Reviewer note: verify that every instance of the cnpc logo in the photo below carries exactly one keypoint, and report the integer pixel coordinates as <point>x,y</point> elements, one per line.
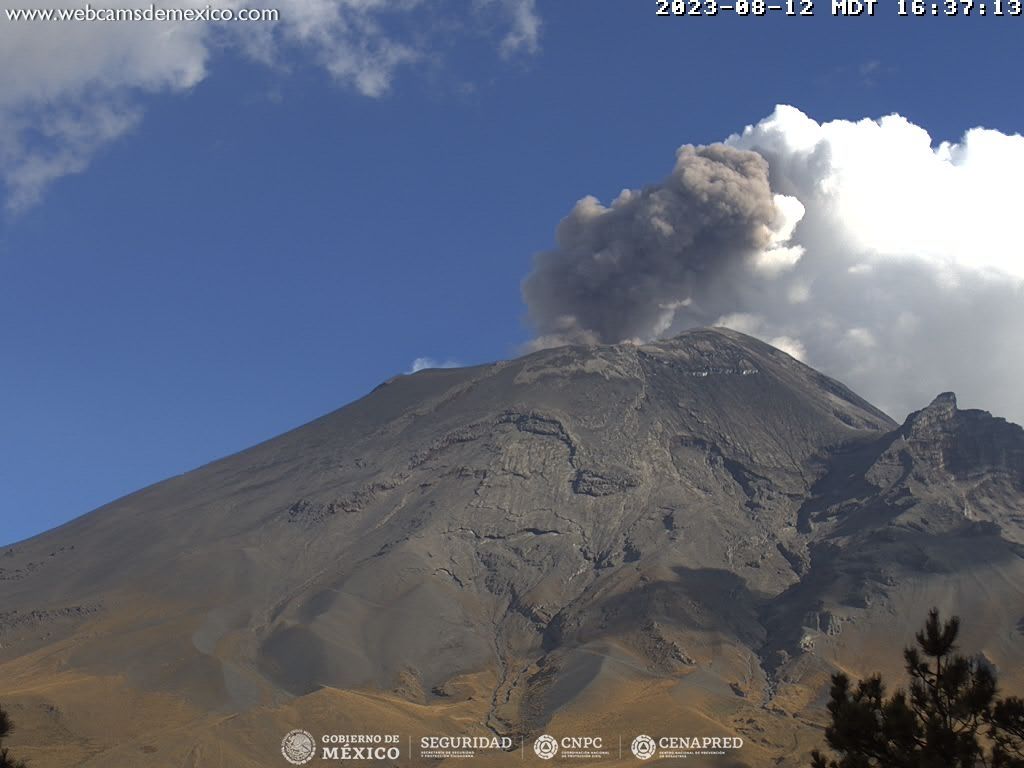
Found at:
<point>546,746</point>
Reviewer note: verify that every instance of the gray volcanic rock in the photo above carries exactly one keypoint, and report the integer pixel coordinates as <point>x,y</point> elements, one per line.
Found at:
<point>966,444</point>
<point>704,509</point>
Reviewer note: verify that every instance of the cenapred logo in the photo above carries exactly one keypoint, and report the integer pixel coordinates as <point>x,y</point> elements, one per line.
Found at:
<point>298,747</point>
<point>643,747</point>
<point>680,747</point>
<point>546,747</point>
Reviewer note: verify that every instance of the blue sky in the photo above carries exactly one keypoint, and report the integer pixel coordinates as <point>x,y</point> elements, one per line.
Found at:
<point>268,243</point>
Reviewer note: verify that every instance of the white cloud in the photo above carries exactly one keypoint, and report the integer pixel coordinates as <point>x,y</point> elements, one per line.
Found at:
<point>423,363</point>
<point>69,136</point>
<point>524,34</point>
<point>895,195</point>
<point>69,88</point>
<point>913,267</point>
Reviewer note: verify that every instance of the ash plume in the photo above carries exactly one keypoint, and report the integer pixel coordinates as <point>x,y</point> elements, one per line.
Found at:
<point>635,268</point>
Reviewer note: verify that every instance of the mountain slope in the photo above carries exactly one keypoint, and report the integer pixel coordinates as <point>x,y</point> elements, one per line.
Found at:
<point>701,528</point>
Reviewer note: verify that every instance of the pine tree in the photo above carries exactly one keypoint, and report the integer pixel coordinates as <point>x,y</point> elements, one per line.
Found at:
<point>950,717</point>
<point>6,761</point>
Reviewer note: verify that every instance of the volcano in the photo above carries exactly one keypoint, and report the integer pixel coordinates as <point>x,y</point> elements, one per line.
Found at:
<point>685,538</point>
